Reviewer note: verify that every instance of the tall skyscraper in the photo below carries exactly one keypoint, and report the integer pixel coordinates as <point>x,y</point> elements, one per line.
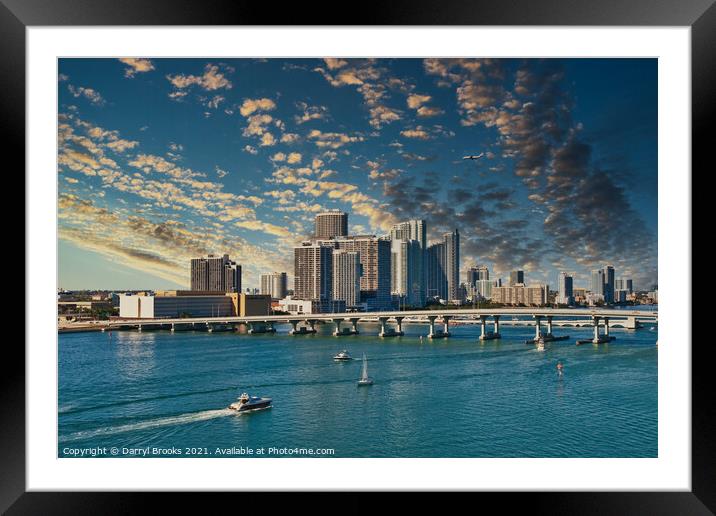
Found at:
<point>407,272</point>
<point>517,277</point>
<point>313,272</point>
<point>452,264</point>
<point>410,230</point>
<point>331,223</point>
<point>274,284</point>
<point>609,284</point>
<point>346,276</point>
<point>216,274</point>
<point>436,271</point>
<point>566,289</point>
<point>598,283</point>
<point>374,256</point>
<point>375,260</point>
<point>624,284</point>
<point>411,267</point>
<point>473,276</point>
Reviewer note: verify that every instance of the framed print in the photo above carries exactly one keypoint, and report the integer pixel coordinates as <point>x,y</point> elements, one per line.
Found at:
<point>418,253</point>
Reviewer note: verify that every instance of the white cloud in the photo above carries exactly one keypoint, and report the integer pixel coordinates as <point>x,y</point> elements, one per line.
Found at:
<point>92,95</point>
<point>252,105</point>
<point>136,65</point>
<point>212,79</point>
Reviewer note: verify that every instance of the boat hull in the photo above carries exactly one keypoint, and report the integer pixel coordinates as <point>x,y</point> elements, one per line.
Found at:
<point>251,405</point>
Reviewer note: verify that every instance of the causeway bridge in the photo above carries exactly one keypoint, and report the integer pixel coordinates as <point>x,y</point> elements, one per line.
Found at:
<point>391,323</point>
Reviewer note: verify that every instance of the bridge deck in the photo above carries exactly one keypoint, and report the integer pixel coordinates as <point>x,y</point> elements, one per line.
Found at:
<point>422,315</point>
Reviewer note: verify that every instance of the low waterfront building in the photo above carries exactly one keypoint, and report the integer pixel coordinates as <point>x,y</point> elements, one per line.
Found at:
<point>75,307</point>
<point>247,305</point>
<point>311,306</point>
<point>176,303</point>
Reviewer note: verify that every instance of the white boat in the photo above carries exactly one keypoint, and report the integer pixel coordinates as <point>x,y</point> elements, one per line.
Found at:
<point>246,403</point>
<point>364,379</point>
<point>343,355</point>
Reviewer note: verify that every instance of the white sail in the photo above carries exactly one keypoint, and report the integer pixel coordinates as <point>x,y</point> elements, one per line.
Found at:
<point>364,375</point>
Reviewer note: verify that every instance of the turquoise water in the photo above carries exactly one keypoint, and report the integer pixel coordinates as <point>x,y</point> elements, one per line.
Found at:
<point>454,397</point>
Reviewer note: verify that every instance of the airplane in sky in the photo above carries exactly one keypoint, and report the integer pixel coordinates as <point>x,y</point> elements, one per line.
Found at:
<point>474,156</point>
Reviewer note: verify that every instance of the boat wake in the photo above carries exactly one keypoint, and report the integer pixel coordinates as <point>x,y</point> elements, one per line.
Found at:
<point>181,419</point>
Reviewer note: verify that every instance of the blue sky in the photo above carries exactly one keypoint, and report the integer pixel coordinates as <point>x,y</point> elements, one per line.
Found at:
<point>160,160</point>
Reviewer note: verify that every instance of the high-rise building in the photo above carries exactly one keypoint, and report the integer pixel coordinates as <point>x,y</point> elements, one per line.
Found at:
<point>609,284</point>
<point>452,264</point>
<point>274,284</point>
<point>313,271</point>
<point>410,230</point>
<point>566,289</point>
<point>331,223</point>
<point>519,294</point>
<point>436,278</point>
<point>407,271</point>
<point>477,273</point>
<point>517,277</point>
<point>215,274</point>
<point>411,267</point>
<point>598,283</point>
<point>624,284</point>
<point>346,276</point>
<point>473,276</point>
<point>483,288</point>
<point>374,256</point>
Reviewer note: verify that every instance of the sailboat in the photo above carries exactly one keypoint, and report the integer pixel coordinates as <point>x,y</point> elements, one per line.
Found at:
<point>364,380</point>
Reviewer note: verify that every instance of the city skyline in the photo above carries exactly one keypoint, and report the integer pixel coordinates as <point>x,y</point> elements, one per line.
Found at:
<point>166,159</point>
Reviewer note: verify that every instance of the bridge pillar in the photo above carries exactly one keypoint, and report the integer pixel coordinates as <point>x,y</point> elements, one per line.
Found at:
<point>294,326</point>
<point>139,327</point>
<point>632,323</point>
<point>446,324</point>
<point>549,325</point>
<point>382,321</point>
<point>354,321</point>
<point>595,321</point>
<point>399,322</point>
<point>312,324</point>
<point>538,327</point>
<point>337,322</point>
<point>432,318</point>
<point>497,326</point>
<point>606,326</point>
<point>483,330</point>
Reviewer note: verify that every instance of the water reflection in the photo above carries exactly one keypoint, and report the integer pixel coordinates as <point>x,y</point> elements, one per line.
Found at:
<point>135,354</point>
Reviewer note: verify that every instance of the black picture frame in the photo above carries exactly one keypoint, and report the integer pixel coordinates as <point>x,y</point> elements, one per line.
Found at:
<point>700,15</point>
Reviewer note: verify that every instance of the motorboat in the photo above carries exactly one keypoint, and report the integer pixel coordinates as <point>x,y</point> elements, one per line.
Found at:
<point>364,379</point>
<point>245,403</point>
<point>343,355</point>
